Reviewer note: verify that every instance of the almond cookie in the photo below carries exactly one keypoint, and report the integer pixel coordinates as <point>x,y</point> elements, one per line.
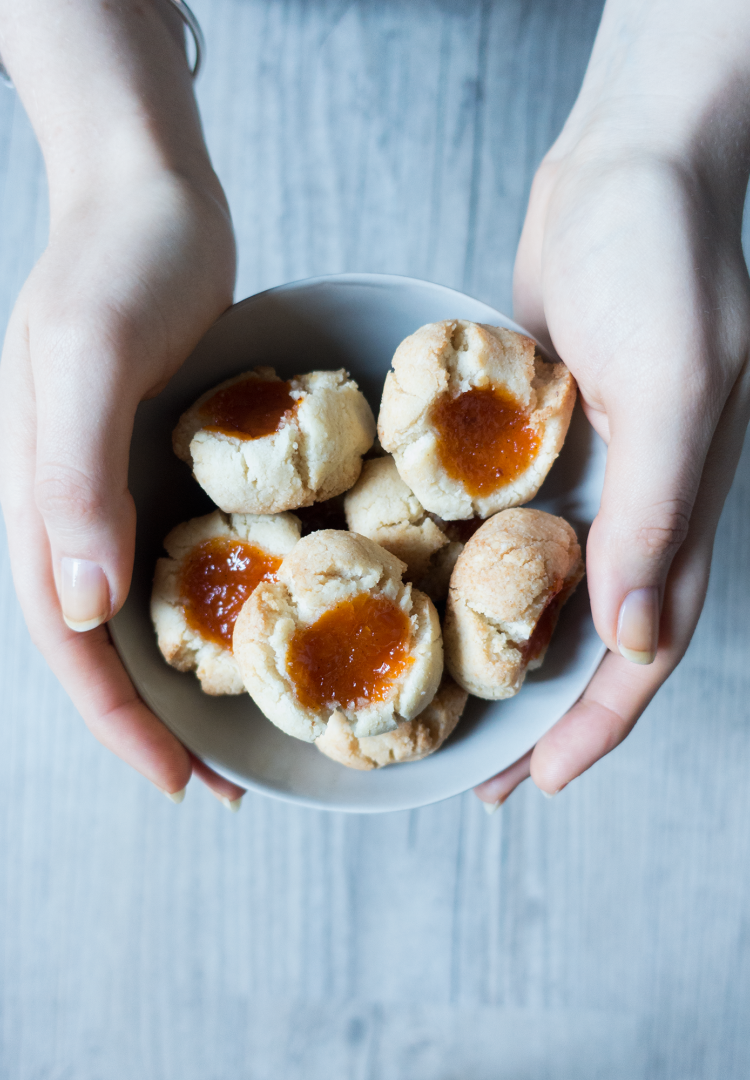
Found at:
<point>507,589</point>
<point>381,506</point>
<point>474,417</point>
<point>214,564</point>
<point>410,741</point>
<point>259,445</point>
<point>339,632</point>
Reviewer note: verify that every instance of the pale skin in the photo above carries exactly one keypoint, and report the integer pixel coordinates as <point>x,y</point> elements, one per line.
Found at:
<point>629,266</point>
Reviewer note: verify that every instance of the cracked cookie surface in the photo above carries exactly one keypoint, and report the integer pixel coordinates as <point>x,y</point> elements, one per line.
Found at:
<point>203,643</point>
<point>326,570</point>
<point>506,591</point>
<point>411,740</point>
<point>450,383</point>
<point>313,452</point>
<point>381,506</point>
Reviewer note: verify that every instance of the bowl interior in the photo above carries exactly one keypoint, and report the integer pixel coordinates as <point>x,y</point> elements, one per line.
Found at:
<point>354,321</point>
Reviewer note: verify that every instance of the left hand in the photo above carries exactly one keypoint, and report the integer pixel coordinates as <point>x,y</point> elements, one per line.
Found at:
<point>128,284</point>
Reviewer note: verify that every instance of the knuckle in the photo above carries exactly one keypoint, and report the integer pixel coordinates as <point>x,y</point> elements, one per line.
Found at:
<point>665,530</point>
<point>66,497</point>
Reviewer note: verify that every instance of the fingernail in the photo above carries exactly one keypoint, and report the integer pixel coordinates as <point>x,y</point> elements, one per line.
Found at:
<point>231,804</point>
<point>176,796</point>
<point>548,794</point>
<point>84,594</point>
<point>638,626</point>
<point>491,807</point>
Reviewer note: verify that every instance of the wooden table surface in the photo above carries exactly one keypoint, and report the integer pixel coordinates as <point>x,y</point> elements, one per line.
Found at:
<point>604,934</point>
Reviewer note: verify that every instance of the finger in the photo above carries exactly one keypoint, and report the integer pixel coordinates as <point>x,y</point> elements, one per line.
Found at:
<point>91,672</point>
<point>84,423</point>
<point>87,665</point>
<point>654,464</point>
<point>229,794</point>
<point>528,304</point>
<point>620,691</point>
<point>605,715</point>
<point>667,476</point>
<point>655,459</point>
<point>493,793</point>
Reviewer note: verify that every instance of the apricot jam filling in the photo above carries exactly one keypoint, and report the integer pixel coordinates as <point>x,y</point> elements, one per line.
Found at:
<point>217,578</point>
<point>351,655</point>
<point>484,438</point>
<point>250,409</point>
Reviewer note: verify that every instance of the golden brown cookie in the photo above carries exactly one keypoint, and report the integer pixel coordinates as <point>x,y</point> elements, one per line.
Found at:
<point>507,588</point>
<point>260,445</point>
<point>474,417</point>
<point>214,564</point>
<point>381,506</point>
<point>410,741</point>
<point>338,631</point>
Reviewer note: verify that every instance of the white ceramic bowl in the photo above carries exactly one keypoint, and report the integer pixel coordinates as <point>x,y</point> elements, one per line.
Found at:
<point>353,321</point>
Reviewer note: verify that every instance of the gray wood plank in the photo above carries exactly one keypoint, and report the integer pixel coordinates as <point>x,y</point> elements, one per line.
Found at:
<point>604,934</point>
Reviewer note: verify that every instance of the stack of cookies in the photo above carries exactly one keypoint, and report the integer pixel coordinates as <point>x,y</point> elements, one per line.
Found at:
<point>335,632</point>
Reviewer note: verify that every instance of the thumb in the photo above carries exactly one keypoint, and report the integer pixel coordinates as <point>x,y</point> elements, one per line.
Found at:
<point>85,420</point>
<point>654,465</point>
<point>528,303</point>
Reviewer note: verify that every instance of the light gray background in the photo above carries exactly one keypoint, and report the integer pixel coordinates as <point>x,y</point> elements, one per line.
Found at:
<point>605,934</point>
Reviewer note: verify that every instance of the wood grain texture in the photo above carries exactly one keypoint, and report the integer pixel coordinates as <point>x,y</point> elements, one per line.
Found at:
<point>602,935</point>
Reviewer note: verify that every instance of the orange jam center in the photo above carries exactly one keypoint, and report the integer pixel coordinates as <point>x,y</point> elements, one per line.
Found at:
<point>544,629</point>
<point>250,409</point>
<point>484,438</point>
<point>217,578</point>
<point>352,654</point>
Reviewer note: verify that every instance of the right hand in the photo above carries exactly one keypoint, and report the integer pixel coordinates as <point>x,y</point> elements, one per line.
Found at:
<point>630,266</point>
<point>131,280</point>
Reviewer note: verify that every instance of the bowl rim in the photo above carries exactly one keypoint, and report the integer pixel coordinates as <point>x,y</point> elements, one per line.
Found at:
<point>266,788</point>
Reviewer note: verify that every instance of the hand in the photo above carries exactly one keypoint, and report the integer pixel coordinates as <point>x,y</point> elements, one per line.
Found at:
<point>133,276</point>
<point>630,267</point>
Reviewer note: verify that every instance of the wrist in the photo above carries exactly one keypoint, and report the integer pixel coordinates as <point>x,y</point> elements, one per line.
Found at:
<point>152,204</point>
<point>108,91</point>
<point>123,167</point>
<point>669,82</point>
